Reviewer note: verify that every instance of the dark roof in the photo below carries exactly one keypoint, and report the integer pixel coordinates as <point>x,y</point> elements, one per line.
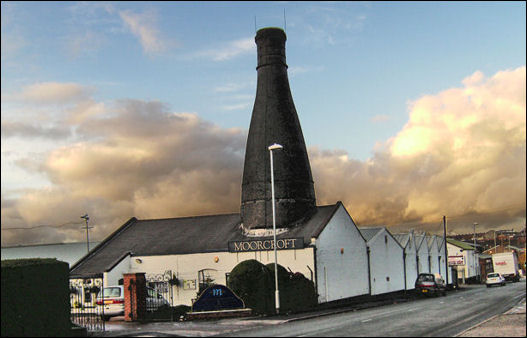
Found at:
<point>185,235</point>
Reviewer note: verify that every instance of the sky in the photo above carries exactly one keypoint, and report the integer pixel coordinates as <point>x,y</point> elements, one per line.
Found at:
<point>410,111</point>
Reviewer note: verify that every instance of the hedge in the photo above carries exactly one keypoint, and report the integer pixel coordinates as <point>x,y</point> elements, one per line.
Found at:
<point>35,298</point>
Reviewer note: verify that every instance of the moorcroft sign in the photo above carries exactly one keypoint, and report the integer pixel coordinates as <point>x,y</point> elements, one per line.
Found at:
<point>266,244</point>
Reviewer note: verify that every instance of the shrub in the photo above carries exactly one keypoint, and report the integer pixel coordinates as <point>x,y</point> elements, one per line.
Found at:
<point>251,281</point>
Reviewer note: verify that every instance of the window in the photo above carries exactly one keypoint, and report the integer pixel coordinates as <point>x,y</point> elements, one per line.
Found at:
<point>205,279</point>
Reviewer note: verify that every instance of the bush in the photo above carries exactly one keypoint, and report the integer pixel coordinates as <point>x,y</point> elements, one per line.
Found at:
<point>35,298</point>
<point>297,293</point>
<point>255,284</point>
<point>252,281</point>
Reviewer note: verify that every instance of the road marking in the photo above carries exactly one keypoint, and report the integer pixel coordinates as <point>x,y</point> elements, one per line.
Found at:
<point>366,320</point>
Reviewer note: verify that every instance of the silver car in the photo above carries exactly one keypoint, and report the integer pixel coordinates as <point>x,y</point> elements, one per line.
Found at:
<point>495,278</point>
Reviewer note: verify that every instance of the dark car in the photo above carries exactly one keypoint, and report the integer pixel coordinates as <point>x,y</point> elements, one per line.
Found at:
<point>428,284</point>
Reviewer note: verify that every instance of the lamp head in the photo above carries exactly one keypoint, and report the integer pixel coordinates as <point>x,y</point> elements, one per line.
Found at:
<point>275,146</point>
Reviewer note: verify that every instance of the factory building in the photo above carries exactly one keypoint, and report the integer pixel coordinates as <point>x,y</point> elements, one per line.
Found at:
<point>407,241</point>
<point>386,261</point>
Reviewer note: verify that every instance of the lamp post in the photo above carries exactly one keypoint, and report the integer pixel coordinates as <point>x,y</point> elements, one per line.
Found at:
<point>277,295</point>
<point>476,263</point>
<point>87,218</point>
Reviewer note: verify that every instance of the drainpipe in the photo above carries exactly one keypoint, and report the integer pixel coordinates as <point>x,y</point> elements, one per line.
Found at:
<point>404,269</point>
<point>369,271</point>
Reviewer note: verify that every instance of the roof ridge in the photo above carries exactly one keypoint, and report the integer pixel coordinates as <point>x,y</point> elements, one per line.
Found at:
<point>187,217</point>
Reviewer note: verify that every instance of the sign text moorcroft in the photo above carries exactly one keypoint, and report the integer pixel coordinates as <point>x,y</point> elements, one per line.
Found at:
<point>266,244</point>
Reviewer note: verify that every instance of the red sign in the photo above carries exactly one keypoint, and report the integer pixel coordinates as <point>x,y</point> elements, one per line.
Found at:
<point>456,260</point>
<point>501,263</point>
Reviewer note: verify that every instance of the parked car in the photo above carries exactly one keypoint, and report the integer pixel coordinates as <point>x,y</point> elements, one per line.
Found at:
<point>113,301</point>
<point>495,278</point>
<point>428,284</point>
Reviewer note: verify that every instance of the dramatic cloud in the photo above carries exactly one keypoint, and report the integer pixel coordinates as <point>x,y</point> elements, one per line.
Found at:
<point>462,154</point>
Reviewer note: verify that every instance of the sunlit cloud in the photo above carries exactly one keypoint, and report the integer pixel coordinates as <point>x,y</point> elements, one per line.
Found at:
<point>461,154</point>
<point>50,93</point>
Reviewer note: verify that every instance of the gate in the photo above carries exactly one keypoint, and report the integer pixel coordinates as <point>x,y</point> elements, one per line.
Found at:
<point>83,303</point>
<point>160,296</point>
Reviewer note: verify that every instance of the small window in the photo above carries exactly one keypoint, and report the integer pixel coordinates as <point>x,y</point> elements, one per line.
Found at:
<point>385,239</point>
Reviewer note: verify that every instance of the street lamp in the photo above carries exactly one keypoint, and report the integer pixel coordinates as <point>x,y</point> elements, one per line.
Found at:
<point>87,218</point>
<point>476,263</point>
<point>277,295</point>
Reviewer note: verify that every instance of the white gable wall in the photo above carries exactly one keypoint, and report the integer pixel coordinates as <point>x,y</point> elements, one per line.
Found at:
<point>341,273</point>
<point>386,264</point>
<point>434,255</point>
<point>422,255</point>
<point>410,263</point>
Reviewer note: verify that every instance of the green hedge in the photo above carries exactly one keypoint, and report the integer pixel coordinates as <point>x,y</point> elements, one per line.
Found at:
<point>251,281</point>
<point>255,284</point>
<point>35,298</point>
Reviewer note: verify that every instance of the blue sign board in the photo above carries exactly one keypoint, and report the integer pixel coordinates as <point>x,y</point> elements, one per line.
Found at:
<point>217,297</point>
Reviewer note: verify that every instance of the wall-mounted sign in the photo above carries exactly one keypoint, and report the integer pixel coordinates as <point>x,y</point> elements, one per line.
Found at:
<point>189,284</point>
<point>266,244</point>
<point>456,260</point>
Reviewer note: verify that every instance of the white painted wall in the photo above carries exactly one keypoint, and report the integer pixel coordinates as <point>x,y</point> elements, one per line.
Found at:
<point>422,253</point>
<point>386,264</point>
<point>471,264</point>
<point>341,274</point>
<point>434,255</point>
<point>410,263</point>
<point>442,261</point>
<point>112,277</point>
<point>186,267</point>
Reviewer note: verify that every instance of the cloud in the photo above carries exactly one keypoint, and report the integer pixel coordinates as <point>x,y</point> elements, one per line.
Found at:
<point>50,93</point>
<point>138,159</point>
<point>143,26</point>
<point>461,154</point>
<point>231,50</point>
<point>10,129</point>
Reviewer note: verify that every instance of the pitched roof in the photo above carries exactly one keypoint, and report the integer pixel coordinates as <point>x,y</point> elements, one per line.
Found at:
<point>185,235</point>
<point>369,233</point>
<point>462,245</point>
<point>403,239</point>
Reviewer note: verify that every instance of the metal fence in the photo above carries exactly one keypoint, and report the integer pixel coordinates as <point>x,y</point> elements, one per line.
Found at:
<point>83,298</point>
<point>160,296</point>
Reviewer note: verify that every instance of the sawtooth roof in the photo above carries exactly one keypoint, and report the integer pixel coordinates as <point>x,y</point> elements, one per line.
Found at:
<point>369,233</point>
<point>402,239</point>
<point>184,235</point>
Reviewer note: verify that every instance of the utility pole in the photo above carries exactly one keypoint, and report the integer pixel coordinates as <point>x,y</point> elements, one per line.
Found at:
<point>87,218</point>
<point>476,261</point>
<point>446,252</point>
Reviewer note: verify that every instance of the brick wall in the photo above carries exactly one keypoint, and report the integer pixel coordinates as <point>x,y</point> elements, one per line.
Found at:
<point>134,296</point>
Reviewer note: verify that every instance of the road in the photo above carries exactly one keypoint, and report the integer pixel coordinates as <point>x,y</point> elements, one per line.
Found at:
<point>432,317</point>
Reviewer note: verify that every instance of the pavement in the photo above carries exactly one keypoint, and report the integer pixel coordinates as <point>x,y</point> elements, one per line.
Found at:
<point>509,324</point>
